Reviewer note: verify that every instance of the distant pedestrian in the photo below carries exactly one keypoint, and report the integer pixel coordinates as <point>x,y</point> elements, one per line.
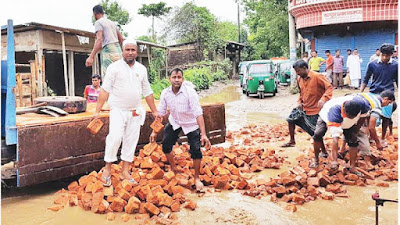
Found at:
<point>338,63</point>
<point>92,92</point>
<point>375,56</point>
<point>329,66</point>
<point>108,40</point>
<point>315,62</point>
<point>354,69</point>
<point>305,57</point>
<point>394,56</point>
<point>348,52</point>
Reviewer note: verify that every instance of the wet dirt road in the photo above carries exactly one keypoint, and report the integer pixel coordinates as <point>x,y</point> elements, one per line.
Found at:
<point>29,206</point>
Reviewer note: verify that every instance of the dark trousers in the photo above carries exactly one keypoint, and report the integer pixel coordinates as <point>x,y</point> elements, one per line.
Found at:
<point>170,136</point>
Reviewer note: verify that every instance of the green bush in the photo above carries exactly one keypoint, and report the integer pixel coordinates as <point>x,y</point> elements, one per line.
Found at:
<point>202,76</point>
<point>158,86</point>
<point>219,75</point>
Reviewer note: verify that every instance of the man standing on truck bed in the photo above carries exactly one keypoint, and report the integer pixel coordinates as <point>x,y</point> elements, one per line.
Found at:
<point>108,40</point>
<point>124,84</point>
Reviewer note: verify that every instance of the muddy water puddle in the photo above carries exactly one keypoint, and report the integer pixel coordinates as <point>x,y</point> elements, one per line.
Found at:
<point>227,207</point>
<point>226,95</point>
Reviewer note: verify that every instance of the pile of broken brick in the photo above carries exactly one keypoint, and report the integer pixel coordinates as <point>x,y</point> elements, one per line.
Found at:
<point>160,193</point>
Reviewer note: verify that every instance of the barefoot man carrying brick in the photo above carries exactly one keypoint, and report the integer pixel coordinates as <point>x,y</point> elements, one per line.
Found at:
<point>186,115</point>
<point>124,84</point>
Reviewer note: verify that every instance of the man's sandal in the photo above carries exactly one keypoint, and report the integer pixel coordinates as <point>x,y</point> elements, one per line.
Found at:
<point>356,172</point>
<point>107,181</point>
<point>314,164</point>
<point>132,181</point>
<point>289,144</point>
<point>200,184</point>
<point>334,165</point>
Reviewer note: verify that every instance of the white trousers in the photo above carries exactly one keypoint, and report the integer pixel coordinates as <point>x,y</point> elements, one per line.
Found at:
<point>355,83</point>
<point>123,128</point>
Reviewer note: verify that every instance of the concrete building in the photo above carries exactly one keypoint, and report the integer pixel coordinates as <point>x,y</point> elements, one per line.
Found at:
<point>345,24</point>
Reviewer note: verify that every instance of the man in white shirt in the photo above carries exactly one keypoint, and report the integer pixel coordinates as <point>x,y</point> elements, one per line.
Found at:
<point>375,56</point>
<point>124,84</point>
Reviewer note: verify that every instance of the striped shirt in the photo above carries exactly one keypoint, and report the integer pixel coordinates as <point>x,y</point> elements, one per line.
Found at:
<point>333,111</point>
<point>184,107</point>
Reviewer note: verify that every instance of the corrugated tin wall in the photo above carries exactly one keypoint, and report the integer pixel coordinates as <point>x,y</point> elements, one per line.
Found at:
<point>365,42</point>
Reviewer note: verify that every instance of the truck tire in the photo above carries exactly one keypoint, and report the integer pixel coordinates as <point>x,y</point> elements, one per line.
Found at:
<point>8,152</point>
<point>70,104</point>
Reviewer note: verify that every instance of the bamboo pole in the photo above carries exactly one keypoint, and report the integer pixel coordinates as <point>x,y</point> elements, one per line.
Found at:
<point>65,64</point>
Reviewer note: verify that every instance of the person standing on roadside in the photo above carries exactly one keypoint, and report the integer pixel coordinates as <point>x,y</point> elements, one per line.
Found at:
<point>354,69</point>
<point>305,57</point>
<point>338,63</point>
<point>329,66</point>
<point>108,40</point>
<point>375,56</point>
<point>315,62</point>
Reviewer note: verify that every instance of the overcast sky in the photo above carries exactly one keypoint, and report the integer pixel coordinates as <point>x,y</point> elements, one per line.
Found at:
<point>77,13</point>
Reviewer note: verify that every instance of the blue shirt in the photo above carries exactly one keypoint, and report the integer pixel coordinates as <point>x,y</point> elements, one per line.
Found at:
<point>383,75</point>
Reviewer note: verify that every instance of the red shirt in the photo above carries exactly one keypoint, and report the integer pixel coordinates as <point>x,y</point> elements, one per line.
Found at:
<point>329,61</point>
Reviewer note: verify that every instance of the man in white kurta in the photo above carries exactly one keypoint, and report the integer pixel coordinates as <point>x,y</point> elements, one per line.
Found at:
<point>124,85</point>
<point>354,68</point>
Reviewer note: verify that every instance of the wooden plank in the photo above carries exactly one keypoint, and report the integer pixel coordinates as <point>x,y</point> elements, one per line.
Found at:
<point>26,90</point>
<point>71,73</point>
<point>19,86</point>
<point>38,68</point>
<point>65,64</point>
<point>44,76</point>
<point>33,79</point>
<point>59,173</point>
<point>33,168</point>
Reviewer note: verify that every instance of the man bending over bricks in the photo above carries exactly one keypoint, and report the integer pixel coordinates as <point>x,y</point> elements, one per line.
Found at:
<point>340,115</point>
<point>186,115</point>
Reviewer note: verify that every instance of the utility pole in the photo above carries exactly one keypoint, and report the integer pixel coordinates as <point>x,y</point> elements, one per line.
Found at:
<point>292,44</point>
<point>237,1</point>
<point>238,7</point>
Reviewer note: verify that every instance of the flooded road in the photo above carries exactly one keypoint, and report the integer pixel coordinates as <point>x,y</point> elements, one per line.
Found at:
<point>29,206</point>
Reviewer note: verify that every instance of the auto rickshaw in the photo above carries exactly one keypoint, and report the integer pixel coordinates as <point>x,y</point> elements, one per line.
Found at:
<point>283,72</point>
<point>242,70</point>
<point>260,79</point>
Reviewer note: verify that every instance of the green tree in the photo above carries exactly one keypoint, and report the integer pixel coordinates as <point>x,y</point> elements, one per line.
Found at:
<point>116,13</point>
<point>228,31</point>
<point>192,23</point>
<point>268,25</point>
<point>154,10</point>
